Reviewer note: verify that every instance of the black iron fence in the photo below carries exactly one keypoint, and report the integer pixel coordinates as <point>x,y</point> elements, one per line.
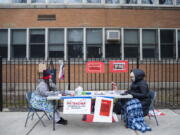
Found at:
<point>18,76</point>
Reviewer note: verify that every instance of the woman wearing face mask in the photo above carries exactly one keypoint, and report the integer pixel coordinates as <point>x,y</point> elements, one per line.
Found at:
<point>39,98</point>
<point>139,89</point>
<point>134,109</point>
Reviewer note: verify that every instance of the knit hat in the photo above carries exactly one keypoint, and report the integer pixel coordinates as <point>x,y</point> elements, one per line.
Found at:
<point>46,74</point>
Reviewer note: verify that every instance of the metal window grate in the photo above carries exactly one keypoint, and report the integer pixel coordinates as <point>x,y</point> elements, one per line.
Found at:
<point>46,17</point>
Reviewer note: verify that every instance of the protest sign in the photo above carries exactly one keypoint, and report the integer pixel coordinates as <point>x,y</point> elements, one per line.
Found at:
<point>103,109</point>
<point>77,105</point>
<point>118,66</point>
<point>95,67</point>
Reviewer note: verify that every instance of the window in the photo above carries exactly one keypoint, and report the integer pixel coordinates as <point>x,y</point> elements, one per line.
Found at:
<point>75,43</point>
<point>112,1</point>
<point>75,1</point>
<point>179,43</point>
<point>93,1</point>
<point>94,43</point>
<point>3,43</point>
<point>5,1</point>
<point>37,43</point>
<point>167,43</point>
<point>165,2</point>
<point>149,43</point>
<point>38,1</point>
<point>147,1</point>
<point>178,2</point>
<point>131,1</point>
<point>56,1</point>
<point>19,1</point>
<point>113,48</point>
<point>56,43</point>
<point>131,43</point>
<point>18,43</point>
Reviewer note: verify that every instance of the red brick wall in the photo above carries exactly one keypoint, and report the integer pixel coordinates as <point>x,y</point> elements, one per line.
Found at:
<point>139,18</point>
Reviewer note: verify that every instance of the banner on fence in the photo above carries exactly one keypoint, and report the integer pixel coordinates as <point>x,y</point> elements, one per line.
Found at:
<point>118,66</point>
<point>42,67</point>
<point>103,109</point>
<point>79,105</point>
<point>61,70</point>
<point>95,67</point>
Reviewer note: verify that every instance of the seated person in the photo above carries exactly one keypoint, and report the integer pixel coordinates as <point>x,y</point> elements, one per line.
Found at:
<point>134,109</point>
<point>139,90</point>
<point>39,101</point>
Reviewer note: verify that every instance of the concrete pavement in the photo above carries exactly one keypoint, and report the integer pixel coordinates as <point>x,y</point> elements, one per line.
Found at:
<point>12,123</point>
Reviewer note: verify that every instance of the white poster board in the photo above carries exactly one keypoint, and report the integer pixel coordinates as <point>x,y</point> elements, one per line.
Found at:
<point>77,105</point>
<point>103,109</point>
<point>42,67</point>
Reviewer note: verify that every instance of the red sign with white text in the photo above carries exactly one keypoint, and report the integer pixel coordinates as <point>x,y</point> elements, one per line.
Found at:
<point>105,108</point>
<point>118,66</point>
<point>95,67</point>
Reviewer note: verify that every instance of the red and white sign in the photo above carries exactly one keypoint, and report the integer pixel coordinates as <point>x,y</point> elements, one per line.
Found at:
<point>77,106</point>
<point>118,66</point>
<point>103,109</point>
<point>95,67</point>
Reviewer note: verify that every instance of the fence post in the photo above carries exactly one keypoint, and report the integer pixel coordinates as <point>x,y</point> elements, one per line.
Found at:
<point>1,92</point>
<point>137,63</point>
<point>69,76</point>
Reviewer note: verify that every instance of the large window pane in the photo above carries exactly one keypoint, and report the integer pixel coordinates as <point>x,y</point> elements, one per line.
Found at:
<point>74,1</point>
<point>56,43</point>
<point>166,2</point>
<point>37,43</point>
<point>147,1</point>
<point>5,1</point>
<point>112,1</point>
<point>38,1</point>
<point>3,43</point>
<point>178,2</point>
<point>94,43</point>
<point>149,41</point>
<point>113,47</point>
<point>167,43</point>
<point>18,43</point>
<point>56,1</point>
<point>131,43</point>
<point>93,1</point>
<point>19,1</point>
<point>75,43</point>
<point>131,1</point>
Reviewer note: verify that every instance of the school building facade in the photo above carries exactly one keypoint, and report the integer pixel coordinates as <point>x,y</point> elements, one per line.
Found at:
<point>32,31</point>
<point>90,29</point>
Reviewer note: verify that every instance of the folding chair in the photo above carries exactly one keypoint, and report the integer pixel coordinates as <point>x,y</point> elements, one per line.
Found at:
<point>152,95</point>
<point>32,111</point>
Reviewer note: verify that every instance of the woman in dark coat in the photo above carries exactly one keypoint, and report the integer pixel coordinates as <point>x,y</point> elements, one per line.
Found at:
<point>139,89</point>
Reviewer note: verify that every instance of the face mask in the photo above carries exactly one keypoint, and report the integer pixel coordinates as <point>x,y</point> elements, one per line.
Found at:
<point>132,76</point>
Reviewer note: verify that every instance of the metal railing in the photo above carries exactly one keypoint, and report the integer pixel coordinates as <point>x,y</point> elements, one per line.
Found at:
<point>20,75</point>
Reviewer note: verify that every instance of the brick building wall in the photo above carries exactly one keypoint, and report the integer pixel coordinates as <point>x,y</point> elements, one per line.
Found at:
<point>136,18</point>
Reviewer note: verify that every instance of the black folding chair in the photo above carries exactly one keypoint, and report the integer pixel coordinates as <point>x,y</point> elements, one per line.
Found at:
<point>32,111</point>
<point>152,95</point>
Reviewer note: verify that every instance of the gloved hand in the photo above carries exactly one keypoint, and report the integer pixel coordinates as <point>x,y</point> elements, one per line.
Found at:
<point>128,92</point>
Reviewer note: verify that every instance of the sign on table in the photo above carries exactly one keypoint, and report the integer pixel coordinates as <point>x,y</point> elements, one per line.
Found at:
<point>79,105</point>
<point>103,109</point>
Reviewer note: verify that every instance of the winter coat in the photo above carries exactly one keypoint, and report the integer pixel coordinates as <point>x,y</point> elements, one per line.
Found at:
<point>139,89</point>
<point>42,89</point>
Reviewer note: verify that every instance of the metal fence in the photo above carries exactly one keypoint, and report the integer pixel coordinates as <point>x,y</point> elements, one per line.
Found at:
<point>18,76</point>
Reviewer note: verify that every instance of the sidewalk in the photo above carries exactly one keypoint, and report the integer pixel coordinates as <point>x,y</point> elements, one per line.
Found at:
<point>12,123</point>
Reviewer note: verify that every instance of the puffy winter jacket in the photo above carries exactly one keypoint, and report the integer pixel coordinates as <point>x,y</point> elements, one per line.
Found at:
<point>139,89</point>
